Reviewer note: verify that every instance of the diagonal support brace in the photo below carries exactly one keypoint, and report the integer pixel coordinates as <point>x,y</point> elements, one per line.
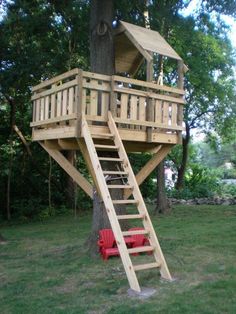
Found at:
<point>150,166</point>
<point>70,170</point>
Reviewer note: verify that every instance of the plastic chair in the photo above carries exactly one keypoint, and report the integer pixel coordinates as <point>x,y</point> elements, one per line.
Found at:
<point>106,243</point>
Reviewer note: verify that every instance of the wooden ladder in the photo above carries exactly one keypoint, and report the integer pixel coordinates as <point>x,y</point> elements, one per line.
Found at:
<point>104,186</point>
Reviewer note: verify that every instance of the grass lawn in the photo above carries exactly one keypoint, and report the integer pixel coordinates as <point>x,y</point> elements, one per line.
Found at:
<point>44,267</point>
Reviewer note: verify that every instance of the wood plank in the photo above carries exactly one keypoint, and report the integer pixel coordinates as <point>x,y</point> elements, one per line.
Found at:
<point>64,102</point>
<point>134,232</point>
<point>166,113</point>
<point>42,108</point>
<point>158,111</point>
<point>150,85</point>
<point>138,46</point>
<point>37,110</point>
<point>59,104</point>
<point>115,172</point>
<point>141,249</point>
<point>109,159</point>
<point>70,169</point>
<point>71,106</point>
<point>133,108</point>
<point>93,85</point>
<point>124,201</point>
<point>46,115</point>
<point>93,106</point>
<point>54,120</point>
<point>127,217</point>
<point>97,76</point>
<point>55,79</point>
<point>108,147</point>
<point>124,106</point>
<point>149,123</point>
<point>95,118</point>
<point>105,104</point>
<point>102,135</point>
<point>55,89</point>
<point>174,114</point>
<point>118,186</point>
<point>53,106</point>
<point>55,133</point>
<point>85,153</point>
<point>149,94</point>
<point>146,266</point>
<point>142,110</point>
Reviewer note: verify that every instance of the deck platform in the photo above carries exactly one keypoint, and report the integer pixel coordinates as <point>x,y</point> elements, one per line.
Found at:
<point>139,109</point>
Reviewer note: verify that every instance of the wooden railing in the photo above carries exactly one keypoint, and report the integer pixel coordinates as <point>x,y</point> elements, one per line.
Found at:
<point>134,104</point>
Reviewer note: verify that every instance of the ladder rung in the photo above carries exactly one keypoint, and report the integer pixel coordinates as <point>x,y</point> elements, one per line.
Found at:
<point>146,266</point>
<point>125,202</point>
<point>115,172</point>
<point>110,159</point>
<point>134,232</point>
<point>135,216</point>
<point>110,186</point>
<point>106,146</point>
<point>141,249</point>
<point>102,135</point>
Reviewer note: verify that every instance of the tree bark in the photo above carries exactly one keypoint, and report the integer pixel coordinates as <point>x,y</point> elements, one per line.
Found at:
<point>162,202</point>
<point>102,61</point>
<point>181,170</point>
<point>101,37</point>
<point>10,164</point>
<point>2,239</point>
<point>70,185</point>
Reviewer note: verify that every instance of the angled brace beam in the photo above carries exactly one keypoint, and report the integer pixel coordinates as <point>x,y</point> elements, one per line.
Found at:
<point>85,153</point>
<point>150,166</point>
<point>70,169</point>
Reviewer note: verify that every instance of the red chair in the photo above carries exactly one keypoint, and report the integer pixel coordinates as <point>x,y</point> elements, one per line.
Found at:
<point>139,240</point>
<point>106,243</point>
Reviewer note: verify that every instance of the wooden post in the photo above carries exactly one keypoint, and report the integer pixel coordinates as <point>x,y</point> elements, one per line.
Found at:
<point>150,104</point>
<point>180,106</point>
<point>79,102</point>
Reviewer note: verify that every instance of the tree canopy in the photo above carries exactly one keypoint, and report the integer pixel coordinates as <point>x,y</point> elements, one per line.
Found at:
<point>39,39</point>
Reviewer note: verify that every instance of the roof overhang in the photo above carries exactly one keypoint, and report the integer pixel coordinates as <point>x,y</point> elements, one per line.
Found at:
<point>133,44</point>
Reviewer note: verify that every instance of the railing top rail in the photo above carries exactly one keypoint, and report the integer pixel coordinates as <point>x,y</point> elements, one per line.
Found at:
<point>150,85</point>
<point>55,79</point>
<point>96,76</point>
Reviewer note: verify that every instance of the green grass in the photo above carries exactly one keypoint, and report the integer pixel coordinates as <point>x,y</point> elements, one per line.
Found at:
<point>44,267</point>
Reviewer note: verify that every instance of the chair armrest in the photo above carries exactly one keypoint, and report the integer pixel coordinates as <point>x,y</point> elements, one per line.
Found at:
<point>100,243</point>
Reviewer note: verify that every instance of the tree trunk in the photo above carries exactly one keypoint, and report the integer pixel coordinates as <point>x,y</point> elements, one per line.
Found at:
<point>70,185</point>
<point>102,61</point>
<point>10,164</point>
<point>181,171</point>
<point>2,239</point>
<point>162,202</point>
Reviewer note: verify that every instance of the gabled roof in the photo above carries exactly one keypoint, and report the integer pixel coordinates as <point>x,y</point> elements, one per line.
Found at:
<point>133,43</point>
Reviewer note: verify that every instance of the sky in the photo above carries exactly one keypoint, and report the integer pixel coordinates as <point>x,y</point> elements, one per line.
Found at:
<point>194,5</point>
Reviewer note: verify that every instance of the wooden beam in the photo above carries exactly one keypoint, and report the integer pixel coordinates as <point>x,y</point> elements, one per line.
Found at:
<point>180,84</point>
<point>85,153</point>
<point>71,170</point>
<point>150,166</point>
<point>150,102</point>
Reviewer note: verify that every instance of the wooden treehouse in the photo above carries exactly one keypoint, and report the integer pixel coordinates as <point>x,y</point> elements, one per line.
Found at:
<point>99,114</point>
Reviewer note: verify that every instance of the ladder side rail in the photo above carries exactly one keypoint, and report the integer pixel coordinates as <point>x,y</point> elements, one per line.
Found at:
<point>129,269</point>
<point>141,205</point>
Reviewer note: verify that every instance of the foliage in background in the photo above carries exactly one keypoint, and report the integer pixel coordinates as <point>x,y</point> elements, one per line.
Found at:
<point>39,39</point>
